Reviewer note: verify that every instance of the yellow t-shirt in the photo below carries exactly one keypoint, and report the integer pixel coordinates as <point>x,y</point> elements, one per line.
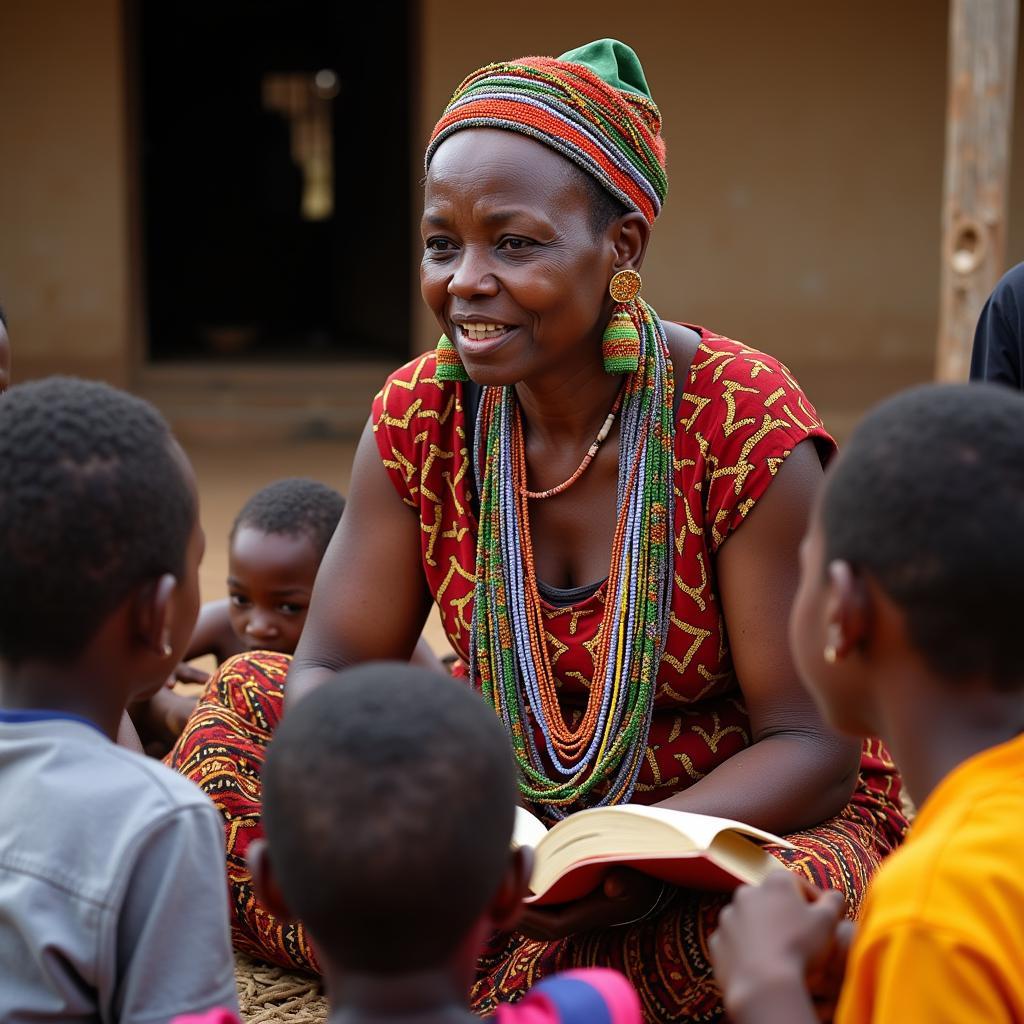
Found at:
<point>941,937</point>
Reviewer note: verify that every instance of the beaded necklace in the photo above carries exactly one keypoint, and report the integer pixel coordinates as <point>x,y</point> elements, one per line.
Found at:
<point>596,762</point>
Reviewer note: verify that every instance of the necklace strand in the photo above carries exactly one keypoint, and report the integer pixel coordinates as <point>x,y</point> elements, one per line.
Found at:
<point>597,761</point>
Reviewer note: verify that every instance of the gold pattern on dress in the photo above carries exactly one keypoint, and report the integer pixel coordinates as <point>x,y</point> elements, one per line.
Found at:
<point>712,739</point>
<point>694,592</point>
<point>774,397</point>
<point>731,424</point>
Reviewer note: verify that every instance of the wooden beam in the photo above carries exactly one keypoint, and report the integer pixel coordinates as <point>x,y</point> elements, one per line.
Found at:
<point>979,118</point>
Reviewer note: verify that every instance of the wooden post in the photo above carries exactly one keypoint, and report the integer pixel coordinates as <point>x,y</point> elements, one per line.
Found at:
<point>979,117</point>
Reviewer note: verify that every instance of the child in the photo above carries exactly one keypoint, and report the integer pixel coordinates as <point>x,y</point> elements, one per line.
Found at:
<point>906,626</point>
<point>388,802</point>
<point>108,861</point>
<point>275,548</point>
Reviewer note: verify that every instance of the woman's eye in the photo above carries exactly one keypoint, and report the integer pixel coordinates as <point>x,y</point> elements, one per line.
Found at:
<point>515,244</point>
<point>439,245</point>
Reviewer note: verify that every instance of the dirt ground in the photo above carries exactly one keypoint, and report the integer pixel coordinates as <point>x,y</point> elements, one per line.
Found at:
<point>229,473</point>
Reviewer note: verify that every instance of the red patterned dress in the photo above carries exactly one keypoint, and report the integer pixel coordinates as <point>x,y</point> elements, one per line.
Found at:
<point>740,415</point>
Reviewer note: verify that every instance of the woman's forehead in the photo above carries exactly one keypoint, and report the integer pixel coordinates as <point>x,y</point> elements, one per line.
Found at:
<point>503,164</point>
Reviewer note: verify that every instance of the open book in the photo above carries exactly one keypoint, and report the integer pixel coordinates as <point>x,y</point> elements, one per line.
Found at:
<point>695,850</point>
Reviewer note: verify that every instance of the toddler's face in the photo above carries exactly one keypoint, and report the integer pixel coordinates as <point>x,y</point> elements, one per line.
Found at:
<point>270,581</point>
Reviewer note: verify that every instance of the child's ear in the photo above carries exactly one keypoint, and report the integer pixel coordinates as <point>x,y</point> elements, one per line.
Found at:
<point>154,615</point>
<point>507,905</point>
<point>257,859</point>
<point>847,612</point>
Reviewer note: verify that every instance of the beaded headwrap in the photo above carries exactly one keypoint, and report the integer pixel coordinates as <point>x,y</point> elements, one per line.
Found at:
<point>592,105</point>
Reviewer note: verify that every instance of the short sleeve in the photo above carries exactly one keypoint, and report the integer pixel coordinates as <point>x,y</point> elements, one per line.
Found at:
<point>920,972</point>
<point>173,943</point>
<point>593,995</point>
<point>747,422</point>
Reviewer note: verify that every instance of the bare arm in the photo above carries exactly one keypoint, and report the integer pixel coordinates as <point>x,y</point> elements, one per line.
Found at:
<point>370,600</point>
<point>797,772</point>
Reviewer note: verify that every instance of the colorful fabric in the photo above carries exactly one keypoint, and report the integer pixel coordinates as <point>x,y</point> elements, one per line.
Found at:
<point>221,750</point>
<point>591,996</point>
<point>942,935</point>
<point>611,131</point>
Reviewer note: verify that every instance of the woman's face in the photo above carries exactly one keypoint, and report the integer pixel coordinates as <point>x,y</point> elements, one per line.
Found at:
<point>512,267</point>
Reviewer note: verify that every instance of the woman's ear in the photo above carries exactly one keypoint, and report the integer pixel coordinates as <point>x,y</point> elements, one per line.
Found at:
<point>847,612</point>
<point>631,237</point>
<point>257,859</point>
<point>154,615</point>
<point>507,905</point>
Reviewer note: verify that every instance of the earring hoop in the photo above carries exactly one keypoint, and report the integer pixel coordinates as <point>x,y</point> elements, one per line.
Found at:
<point>625,285</point>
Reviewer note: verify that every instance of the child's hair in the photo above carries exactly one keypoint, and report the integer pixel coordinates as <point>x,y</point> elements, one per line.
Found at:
<point>93,501</point>
<point>388,804</point>
<point>296,507</point>
<point>928,497</point>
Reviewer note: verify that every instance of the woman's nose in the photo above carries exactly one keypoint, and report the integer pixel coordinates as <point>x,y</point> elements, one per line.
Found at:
<point>472,275</point>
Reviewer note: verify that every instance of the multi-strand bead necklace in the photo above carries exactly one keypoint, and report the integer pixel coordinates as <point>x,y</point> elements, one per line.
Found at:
<point>595,762</point>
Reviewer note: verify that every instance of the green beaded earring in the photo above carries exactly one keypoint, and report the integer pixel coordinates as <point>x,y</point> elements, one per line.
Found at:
<point>449,365</point>
<point>620,346</point>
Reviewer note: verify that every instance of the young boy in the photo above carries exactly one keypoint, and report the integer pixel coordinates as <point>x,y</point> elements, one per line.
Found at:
<point>388,802</point>
<point>907,626</point>
<point>275,548</point>
<point>111,903</point>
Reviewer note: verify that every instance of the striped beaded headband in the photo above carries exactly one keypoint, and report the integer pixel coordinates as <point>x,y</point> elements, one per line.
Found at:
<point>612,133</point>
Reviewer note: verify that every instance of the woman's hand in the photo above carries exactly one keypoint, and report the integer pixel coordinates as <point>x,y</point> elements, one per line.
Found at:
<point>625,896</point>
<point>774,943</point>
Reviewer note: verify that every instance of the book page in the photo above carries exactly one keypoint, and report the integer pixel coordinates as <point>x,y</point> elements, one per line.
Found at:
<point>528,830</point>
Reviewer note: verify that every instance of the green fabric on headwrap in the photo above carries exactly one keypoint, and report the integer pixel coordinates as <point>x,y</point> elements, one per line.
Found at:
<point>613,62</point>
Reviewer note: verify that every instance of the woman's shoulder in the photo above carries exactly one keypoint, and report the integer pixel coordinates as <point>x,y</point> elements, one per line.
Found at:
<point>731,387</point>
<point>415,384</point>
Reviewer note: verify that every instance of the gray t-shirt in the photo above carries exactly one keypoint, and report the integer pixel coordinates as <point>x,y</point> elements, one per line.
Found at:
<point>113,900</point>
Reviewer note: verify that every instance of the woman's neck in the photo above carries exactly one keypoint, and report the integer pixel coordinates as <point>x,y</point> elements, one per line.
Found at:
<point>569,409</point>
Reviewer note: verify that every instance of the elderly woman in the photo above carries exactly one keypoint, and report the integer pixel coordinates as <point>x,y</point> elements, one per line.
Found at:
<point>606,508</point>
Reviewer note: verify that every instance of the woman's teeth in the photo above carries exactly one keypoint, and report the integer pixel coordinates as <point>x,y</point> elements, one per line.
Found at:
<point>483,331</point>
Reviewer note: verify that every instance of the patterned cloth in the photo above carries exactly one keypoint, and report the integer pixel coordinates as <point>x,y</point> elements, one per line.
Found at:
<point>740,415</point>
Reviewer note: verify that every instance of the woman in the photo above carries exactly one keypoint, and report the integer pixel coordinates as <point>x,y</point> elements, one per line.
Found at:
<point>586,433</point>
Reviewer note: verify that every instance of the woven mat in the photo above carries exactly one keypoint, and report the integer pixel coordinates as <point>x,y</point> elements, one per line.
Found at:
<point>272,995</point>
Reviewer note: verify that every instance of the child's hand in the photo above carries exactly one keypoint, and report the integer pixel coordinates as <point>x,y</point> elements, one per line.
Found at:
<point>186,673</point>
<point>768,940</point>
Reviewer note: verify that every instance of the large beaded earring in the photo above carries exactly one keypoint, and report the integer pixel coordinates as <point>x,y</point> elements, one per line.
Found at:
<point>449,364</point>
<point>620,346</point>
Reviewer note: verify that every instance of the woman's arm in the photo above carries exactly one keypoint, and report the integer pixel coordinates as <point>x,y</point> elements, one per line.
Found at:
<point>797,772</point>
<point>370,600</point>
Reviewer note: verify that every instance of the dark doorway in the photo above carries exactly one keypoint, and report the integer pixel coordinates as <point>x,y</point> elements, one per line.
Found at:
<point>275,179</point>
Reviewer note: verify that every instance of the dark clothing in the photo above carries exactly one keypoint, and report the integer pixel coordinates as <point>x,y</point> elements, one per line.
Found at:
<point>998,353</point>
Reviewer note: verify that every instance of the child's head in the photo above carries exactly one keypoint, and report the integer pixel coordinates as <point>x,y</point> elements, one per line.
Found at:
<point>97,515</point>
<point>277,543</point>
<point>389,797</point>
<point>5,355</point>
<point>916,550</point>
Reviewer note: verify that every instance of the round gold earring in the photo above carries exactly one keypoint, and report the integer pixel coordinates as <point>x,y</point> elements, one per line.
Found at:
<point>831,654</point>
<point>625,285</point>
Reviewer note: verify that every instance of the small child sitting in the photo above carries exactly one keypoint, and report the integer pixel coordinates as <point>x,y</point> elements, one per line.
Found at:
<point>109,879</point>
<point>275,548</point>
<point>388,802</point>
<point>907,626</point>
